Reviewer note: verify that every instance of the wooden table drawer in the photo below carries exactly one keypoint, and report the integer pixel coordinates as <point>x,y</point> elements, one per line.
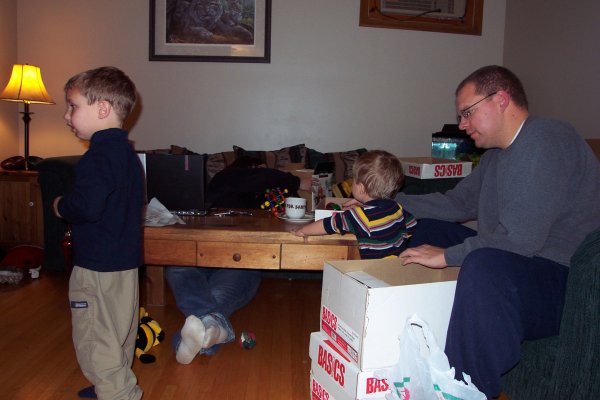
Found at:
<point>310,256</point>
<point>169,252</point>
<point>239,255</point>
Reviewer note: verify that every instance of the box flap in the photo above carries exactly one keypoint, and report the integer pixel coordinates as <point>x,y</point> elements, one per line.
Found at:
<point>368,280</point>
<point>392,272</point>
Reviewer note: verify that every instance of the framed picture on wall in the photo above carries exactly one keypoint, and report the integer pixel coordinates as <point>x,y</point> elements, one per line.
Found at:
<point>210,30</point>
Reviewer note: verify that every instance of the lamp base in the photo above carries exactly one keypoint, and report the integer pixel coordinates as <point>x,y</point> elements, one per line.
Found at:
<point>18,163</point>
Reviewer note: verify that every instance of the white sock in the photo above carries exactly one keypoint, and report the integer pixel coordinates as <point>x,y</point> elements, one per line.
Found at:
<point>214,332</point>
<point>192,339</point>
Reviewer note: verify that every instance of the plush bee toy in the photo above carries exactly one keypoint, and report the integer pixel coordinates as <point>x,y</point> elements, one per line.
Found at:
<point>149,335</point>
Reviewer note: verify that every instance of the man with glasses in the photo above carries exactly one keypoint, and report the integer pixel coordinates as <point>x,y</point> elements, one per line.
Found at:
<point>535,196</point>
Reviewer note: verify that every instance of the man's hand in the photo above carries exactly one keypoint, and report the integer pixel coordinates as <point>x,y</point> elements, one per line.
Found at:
<point>429,256</point>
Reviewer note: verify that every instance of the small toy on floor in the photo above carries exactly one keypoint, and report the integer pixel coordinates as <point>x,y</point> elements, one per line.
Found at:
<point>247,340</point>
<point>149,335</point>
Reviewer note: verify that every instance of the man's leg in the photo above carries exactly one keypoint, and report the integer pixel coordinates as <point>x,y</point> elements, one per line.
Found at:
<point>232,289</point>
<point>194,299</point>
<point>207,297</point>
<point>501,299</point>
<point>439,233</point>
<point>191,290</point>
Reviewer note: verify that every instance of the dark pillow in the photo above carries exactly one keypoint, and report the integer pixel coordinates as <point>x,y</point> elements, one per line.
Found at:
<point>217,162</point>
<point>180,150</point>
<point>313,157</point>
<point>275,158</point>
<point>344,161</point>
<point>174,149</point>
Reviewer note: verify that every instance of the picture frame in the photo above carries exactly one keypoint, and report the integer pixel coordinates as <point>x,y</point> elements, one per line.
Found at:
<point>210,31</point>
<point>372,14</point>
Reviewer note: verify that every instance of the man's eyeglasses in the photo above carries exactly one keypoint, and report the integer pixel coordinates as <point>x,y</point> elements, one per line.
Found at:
<point>466,113</point>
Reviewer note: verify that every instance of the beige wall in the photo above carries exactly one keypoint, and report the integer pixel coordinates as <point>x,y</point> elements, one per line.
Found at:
<point>9,116</point>
<point>554,46</point>
<point>331,84</point>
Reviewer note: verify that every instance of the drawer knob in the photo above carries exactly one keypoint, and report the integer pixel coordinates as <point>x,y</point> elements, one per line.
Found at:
<point>31,204</point>
<point>237,257</point>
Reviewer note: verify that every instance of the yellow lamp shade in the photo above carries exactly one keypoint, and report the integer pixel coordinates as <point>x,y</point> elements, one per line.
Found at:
<point>26,86</point>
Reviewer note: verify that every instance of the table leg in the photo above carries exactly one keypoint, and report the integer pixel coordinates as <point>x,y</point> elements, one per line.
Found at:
<point>155,285</point>
<point>353,253</point>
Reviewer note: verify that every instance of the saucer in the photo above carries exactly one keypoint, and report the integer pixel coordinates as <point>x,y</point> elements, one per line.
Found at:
<point>308,217</point>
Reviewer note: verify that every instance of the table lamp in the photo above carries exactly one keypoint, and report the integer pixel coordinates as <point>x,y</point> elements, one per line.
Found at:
<point>26,86</point>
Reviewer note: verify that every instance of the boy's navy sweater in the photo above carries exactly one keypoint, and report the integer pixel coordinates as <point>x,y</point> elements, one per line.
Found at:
<point>104,207</point>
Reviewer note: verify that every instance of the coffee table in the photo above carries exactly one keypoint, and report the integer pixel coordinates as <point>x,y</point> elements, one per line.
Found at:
<point>257,241</point>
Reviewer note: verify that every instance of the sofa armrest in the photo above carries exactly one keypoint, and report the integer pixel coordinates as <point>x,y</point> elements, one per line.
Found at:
<point>566,366</point>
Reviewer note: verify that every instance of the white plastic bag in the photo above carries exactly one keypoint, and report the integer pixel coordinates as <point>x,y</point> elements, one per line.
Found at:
<point>423,371</point>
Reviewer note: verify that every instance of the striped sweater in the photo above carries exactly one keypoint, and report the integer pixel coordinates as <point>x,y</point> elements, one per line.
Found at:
<point>381,227</point>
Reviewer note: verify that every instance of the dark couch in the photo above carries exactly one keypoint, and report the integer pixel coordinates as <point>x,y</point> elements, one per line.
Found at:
<point>566,366</point>
<point>55,177</point>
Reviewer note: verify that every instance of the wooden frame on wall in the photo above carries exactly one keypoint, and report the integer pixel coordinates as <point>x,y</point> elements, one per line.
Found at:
<point>470,24</point>
<point>176,34</point>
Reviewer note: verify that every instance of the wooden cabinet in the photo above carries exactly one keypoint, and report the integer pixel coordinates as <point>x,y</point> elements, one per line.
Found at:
<point>21,213</point>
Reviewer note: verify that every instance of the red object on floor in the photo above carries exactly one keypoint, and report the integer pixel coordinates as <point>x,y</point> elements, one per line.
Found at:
<point>24,257</point>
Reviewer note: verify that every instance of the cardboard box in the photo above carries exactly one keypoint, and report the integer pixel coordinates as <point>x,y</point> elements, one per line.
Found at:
<point>318,391</point>
<point>365,304</point>
<point>321,213</point>
<point>337,376</point>
<point>435,168</point>
<point>298,170</point>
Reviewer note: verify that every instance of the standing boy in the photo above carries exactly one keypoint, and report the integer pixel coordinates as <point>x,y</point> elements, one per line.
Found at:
<point>104,208</point>
<point>380,224</point>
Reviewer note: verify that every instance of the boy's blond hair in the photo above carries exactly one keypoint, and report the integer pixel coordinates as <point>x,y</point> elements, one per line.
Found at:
<point>108,84</point>
<point>380,172</point>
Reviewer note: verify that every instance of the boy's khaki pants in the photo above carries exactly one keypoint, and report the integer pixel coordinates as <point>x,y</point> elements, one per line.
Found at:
<point>105,314</point>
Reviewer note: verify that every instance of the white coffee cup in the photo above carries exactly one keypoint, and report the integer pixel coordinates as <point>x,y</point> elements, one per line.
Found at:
<point>295,207</point>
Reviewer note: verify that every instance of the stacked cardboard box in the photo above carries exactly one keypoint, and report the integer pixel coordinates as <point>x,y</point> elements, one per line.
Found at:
<point>364,306</point>
<point>435,168</point>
